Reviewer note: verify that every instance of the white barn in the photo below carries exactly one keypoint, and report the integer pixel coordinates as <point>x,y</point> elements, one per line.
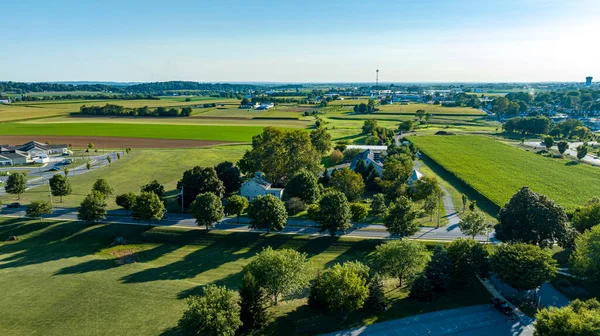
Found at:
<point>259,186</point>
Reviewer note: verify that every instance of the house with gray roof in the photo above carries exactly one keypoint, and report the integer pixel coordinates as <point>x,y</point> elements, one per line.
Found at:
<point>370,156</point>
<point>259,186</point>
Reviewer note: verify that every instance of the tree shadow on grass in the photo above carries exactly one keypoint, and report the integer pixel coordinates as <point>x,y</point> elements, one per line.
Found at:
<point>61,240</point>
<point>572,163</point>
<point>222,250</point>
<point>354,251</point>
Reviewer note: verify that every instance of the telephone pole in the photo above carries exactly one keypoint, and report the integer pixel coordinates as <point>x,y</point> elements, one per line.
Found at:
<point>439,209</point>
<point>182,208</point>
<point>50,194</point>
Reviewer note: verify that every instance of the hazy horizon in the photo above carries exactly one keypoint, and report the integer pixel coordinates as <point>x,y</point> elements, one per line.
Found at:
<point>432,41</point>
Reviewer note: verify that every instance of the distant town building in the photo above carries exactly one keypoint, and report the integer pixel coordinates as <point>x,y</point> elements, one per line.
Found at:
<point>5,101</point>
<point>588,80</point>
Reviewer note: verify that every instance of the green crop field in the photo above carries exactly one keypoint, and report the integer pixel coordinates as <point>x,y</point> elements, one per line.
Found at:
<point>137,168</point>
<point>433,109</point>
<point>498,170</point>
<point>66,278</point>
<point>154,131</point>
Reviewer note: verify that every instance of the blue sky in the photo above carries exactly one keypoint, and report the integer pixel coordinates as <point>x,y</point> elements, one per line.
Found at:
<point>300,41</point>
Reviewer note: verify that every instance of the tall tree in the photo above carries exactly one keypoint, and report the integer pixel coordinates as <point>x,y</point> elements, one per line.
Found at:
<point>588,215</point>
<point>359,211</point>
<point>582,151</point>
<point>126,201</point>
<point>523,266</point>
<point>425,187</point>
<point>102,186</point>
<point>303,185</point>
<point>215,313</point>
<point>199,180</point>
<point>60,186</point>
<point>267,212</point>
<point>585,258</point>
<point>400,220</point>
<point>279,272</point>
<point>230,176</point>
<point>468,258</point>
<point>321,140</point>
<point>562,147</point>
<point>473,223</point>
<point>93,208</point>
<point>431,203</point>
<point>16,184</point>
<point>378,207</point>
<point>343,288</point>
<point>376,300</point>
<point>280,154</point>
<point>253,313</point>
<point>154,187</point>
<point>422,289</point>
<point>548,142</point>
<point>578,318</point>
<point>402,259</point>
<point>147,207</point>
<point>334,213</point>
<point>38,208</point>
<point>236,204</point>
<point>533,219</point>
<point>207,209</point>
<point>439,269</point>
<point>350,183</point>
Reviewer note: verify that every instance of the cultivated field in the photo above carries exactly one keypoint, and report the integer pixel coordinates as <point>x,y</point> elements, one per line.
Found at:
<point>66,278</point>
<point>433,109</point>
<point>497,170</point>
<point>158,131</point>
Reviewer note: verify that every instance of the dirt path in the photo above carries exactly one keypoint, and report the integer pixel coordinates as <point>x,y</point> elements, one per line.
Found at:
<point>109,142</point>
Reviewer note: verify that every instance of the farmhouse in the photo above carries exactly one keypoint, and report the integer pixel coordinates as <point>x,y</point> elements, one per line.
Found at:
<point>34,148</point>
<point>370,156</point>
<point>265,106</point>
<point>259,186</point>
<point>5,101</point>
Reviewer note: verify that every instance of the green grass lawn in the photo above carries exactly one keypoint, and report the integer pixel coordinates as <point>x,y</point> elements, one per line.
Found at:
<point>138,168</point>
<point>155,131</point>
<point>498,170</point>
<point>65,278</point>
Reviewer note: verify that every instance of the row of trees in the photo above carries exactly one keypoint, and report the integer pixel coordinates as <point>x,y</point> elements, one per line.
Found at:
<point>118,110</point>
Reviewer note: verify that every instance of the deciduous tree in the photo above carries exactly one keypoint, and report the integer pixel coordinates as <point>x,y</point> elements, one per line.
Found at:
<point>38,208</point>
<point>321,140</point>
<point>468,258</point>
<point>473,223</point>
<point>350,183</point>
<point>16,184</point>
<point>206,209</point>
<point>588,215</point>
<point>60,186</point>
<point>215,313</point>
<point>126,200</point>
<point>154,187</point>
<point>342,288</point>
<point>578,318</point>
<point>267,212</point>
<point>93,207</point>
<point>400,220</point>
<point>230,175</point>
<point>439,269</point>
<point>562,147</point>
<point>147,207</point>
<point>200,180</point>
<point>378,207</point>
<point>236,204</point>
<point>422,289</point>
<point>334,213</point>
<point>279,272</point>
<point>585,259</point>
<point>303,185</point>
<point>359,211</point>
<point>523,266</point>
<point>402,259</point>
<point>102,186</point>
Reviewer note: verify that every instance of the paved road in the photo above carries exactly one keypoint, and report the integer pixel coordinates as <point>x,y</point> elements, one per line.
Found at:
<point>42,174</point>
<point>475,320</point>
<point>294,226</point>
<point>572,151</point>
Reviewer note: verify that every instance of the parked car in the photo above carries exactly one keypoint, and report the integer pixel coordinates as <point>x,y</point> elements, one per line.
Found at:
<point>14,205</point>
<point>502,306</point>
<point>54,169</point>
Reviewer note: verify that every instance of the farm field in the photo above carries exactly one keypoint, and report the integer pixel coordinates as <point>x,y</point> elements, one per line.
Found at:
<point>66,278</point>
<point>137,168</point>
<point>433,109</point>
<point>44,109</point>
<point>189,132</point>
<point>498,170</point>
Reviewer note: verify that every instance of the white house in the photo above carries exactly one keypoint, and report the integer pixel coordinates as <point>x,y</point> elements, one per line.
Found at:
<point>259,186</point>
<point>5,101</point>
<point>370,156</point>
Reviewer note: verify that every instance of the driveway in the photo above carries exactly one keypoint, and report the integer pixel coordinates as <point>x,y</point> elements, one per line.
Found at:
<point>475,320</point>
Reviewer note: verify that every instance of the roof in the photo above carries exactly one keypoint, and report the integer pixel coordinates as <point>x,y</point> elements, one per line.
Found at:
<point>29,146</point>
<point>415,176</point>
<point>373,155</point>
<point>260,179</point>
<point>365,147</point>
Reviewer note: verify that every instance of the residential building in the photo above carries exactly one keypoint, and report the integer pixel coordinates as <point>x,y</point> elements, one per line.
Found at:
<point>265,106</point>
<point>5,101</point>
<point>259,186</point>
<point>16,158</point>
<point>414,177</point>
<point>34,148</point>
<point>370,156</point>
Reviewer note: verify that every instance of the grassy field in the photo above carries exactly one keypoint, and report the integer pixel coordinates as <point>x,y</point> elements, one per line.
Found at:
<point>433,109</point>
<point>138,168</point>
<point>154,131</point>
<point>44,109</point>
<point>65,278</point>
<point>497,170</point>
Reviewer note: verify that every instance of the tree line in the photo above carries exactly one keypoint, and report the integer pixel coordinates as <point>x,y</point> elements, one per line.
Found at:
<point>88,97</point>
<point>118,110</point>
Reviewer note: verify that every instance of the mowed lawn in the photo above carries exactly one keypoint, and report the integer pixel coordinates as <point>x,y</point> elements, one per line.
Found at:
<point>66,278</point>
<point>154,131</point>
<point>498,170</point>
<point>137,168</point>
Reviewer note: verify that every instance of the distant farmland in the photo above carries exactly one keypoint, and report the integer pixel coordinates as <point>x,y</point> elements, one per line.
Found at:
<point>155,131</point>
<point>497,170</point>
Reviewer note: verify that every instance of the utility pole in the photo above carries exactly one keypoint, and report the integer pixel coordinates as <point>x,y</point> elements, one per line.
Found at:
<point>50,194</point>
<point>182,209</point>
